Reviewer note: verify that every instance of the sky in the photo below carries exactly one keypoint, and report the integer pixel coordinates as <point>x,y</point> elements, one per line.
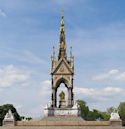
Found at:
<point>28,31</point>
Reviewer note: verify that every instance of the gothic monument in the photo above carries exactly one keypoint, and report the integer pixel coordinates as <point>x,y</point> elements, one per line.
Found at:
<point>62,71</point>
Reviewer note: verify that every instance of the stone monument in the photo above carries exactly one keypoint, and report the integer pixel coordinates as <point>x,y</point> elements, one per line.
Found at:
<point>62,71</point>
<point>115,119</point>
<point>9,119</point>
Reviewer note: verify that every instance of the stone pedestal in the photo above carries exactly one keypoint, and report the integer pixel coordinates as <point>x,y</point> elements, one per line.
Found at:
<point>62,104</point>
<point>8,123</point>
<point>9,119</point>
<point>115,119</point>
<point>116,122</point>
<point>62,110</point>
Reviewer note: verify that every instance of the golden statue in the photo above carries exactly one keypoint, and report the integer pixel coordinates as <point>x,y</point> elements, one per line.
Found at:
<point>62,96</point>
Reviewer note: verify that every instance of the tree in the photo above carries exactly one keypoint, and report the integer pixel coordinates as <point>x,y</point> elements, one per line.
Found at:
<point>29,118</point>
<point>25,118</point>
<point>90,116</point>
<point>86,114</point>
<point>1,115</point>
<point>22,117</point>
<point>95,115</point>
<point>84,108</point>
<point>111,109</point>
<point>5,108</point>
<point>105,116</point>
<point>121,109</point>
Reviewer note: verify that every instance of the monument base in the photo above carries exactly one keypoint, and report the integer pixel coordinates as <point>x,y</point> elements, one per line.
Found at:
<point>9,119</point>
<point>61,112</point>
<point>8,123</point>
<point>62,104</point>
<point>115,119</point>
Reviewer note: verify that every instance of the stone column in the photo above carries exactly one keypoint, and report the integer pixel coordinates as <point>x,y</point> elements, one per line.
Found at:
<point>69,97</point>
<point>72,94</point>
<point>53,98</point>
<point>72,97</point>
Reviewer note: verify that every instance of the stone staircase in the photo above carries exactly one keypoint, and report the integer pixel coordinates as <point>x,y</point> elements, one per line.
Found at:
<point>61,127</point>
<point>63,118</point>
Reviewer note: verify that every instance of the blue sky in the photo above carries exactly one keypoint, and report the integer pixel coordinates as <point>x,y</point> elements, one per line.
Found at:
<point>30,28</point>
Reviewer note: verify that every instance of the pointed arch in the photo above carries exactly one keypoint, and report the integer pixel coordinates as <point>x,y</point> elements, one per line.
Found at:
<point>62,80</point>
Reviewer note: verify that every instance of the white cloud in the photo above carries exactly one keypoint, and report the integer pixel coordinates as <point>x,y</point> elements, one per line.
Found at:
<point>1,90</point>
<point>2,13</point>
<point>121,76</point>
<point>104,92</point>
<point>10,76</point>
<point>45,93</point>
<point>111,75</point>
<point>112,90</point>
<point>100,77</point>
<point>23,56</point>
<point>32,58</point>
<point>45,88</point>
<point>100,98</point>
<point>113,71</point>
<point>18,106</point>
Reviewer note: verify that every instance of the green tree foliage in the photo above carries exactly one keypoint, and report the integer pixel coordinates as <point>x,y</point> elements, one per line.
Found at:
<point>25,118</point>
<point>86,114</point>
<point>29,118</point>
<point>1,115</point>
<point>22,117</point>
<point>111,109</point>
<point>105,116</point>
<point>96,115</point>
<point>90,116</point>
<point>5,108</point>
<point>121,109</point>
<point>84,108</point>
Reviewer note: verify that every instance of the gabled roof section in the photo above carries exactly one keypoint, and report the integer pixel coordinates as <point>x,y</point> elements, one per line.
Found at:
<point>62,67</point>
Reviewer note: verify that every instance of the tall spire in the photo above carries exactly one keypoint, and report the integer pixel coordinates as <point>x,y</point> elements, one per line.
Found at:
<point>62,46</point>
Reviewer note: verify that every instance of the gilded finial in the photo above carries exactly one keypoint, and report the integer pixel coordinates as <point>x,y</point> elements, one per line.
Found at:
<point>62,18</point>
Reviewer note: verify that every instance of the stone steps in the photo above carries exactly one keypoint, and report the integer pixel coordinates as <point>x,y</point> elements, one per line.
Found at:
<point>61,127</point>
<point>63,118</point>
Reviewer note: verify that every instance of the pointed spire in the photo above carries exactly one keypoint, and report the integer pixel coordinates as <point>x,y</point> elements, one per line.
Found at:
<point>62,30</point>
<point>62,47</point>
<point>71,52</point>
<point>53,52</point>
<point>62,18</point>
